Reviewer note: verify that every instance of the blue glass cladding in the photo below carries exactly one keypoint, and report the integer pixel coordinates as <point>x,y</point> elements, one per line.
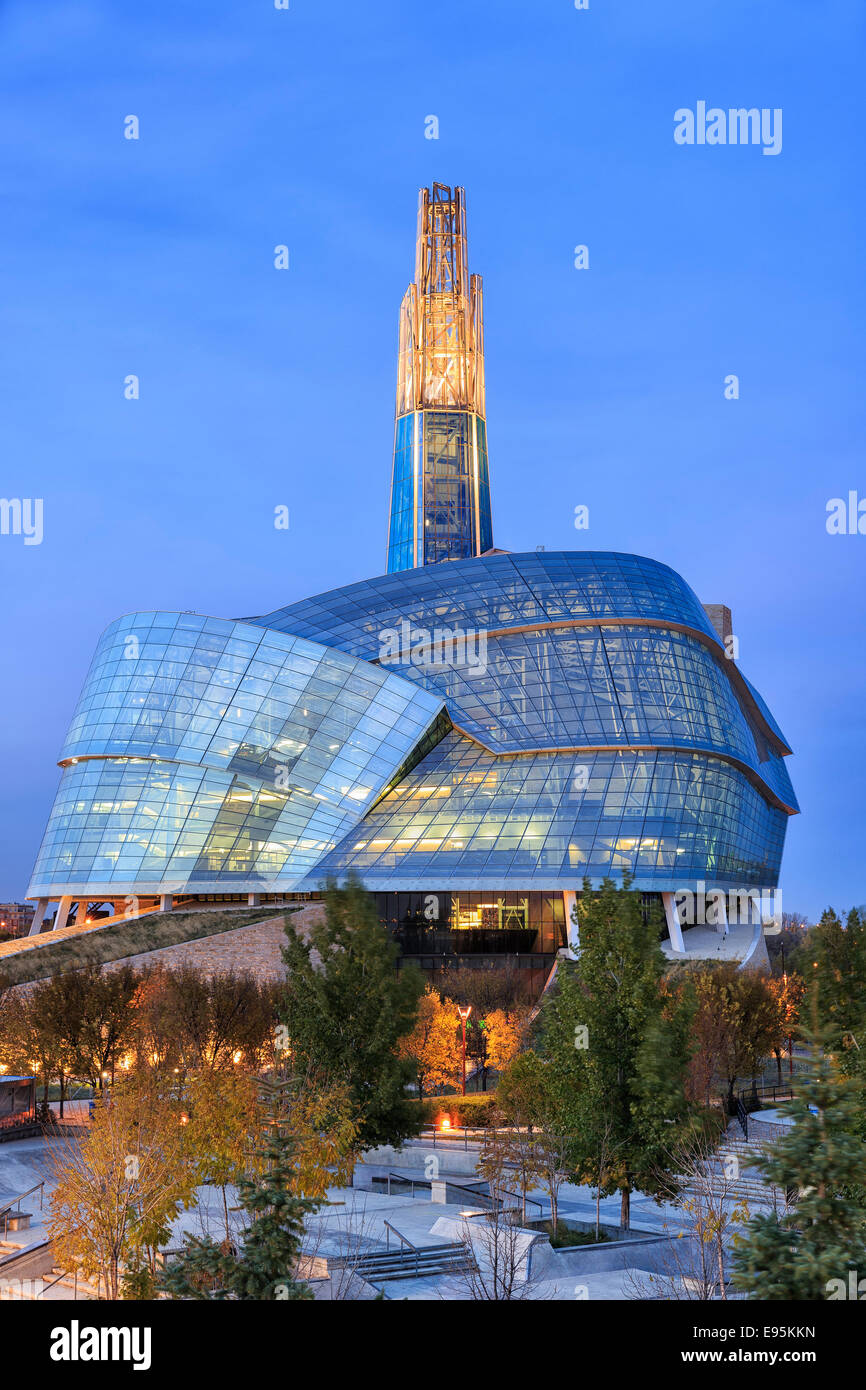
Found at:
<point>188,722</point>
<point>401,537</point>
<point>485,520</point>
<point>447,518</point>
<point>495,591</point>
<point>464,818</point>
<point>563,687</point>
<point>263,750</point>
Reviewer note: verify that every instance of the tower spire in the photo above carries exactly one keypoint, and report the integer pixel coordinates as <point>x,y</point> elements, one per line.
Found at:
<point>440,493</point>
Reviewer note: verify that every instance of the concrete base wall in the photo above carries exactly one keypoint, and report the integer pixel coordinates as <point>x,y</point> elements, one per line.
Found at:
<point>411,1161</point>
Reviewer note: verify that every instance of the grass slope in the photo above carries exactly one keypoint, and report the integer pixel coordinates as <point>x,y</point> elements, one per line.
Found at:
<point>127,939</point>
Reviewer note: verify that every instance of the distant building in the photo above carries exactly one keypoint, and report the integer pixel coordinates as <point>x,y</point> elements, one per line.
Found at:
<point>16,918</point>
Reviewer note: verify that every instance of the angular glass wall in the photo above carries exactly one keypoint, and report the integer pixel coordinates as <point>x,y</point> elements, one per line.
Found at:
<point>211,754</point>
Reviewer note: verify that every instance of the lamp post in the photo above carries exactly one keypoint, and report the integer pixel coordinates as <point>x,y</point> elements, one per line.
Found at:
<point>464,1011</point>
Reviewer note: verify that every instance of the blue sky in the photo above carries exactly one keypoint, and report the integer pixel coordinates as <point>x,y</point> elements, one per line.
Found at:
<point>605,387</point>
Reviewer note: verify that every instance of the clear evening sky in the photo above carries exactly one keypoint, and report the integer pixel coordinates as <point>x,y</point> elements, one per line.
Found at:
<point>260,388</point>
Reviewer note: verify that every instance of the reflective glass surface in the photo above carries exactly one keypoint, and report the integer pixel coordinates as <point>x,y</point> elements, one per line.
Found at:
<point>464,818</point>
<point>275,750</point>
<point>563,687</point>
<point>447,443</point>
<point>213,751</point>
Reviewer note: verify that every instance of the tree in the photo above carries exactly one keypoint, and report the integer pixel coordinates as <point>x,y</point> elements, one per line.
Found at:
<point>264,1264</point>
<point>347,1005</point>
<point>506,1030</point>
<point>32,1039</point>
<point>223,1113</point>
<point>704,1188</point>
<point>787,992</point>
<point>833,962</point>
<point>509,1155</point>
<point>486,989</point>
<point>432,1045</point>
<point>799,1255</point>
<point>527,1097</point>
<point>203,1021</point>
<point>102,1004</point>
<point>6,997</point>
<point>119,1189</point>
<point>321,1117</point>
<point>617,1046</point>
<point>735,1025</point>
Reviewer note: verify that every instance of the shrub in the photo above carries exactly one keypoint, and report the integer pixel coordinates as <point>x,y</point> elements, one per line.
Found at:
<point>469,1112</point>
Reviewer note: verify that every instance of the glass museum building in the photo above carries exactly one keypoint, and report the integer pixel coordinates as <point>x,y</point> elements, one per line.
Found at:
<point>473,733</point>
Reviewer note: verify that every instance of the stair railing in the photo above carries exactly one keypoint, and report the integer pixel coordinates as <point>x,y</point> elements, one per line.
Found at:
<point>10,1209</point>
<point>405,1241</point>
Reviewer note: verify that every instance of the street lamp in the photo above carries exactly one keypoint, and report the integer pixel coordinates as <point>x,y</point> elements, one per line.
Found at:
<point>464,1011</point>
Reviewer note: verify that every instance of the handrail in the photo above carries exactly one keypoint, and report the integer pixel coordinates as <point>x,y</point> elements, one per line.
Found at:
<point>400,1236</point>
<point>742,1116</point>
<point>405,1240</point>
<point>753,1094</point>
<point>507,1191</point>
<point>7,1211</point>
<point>62,1275</point>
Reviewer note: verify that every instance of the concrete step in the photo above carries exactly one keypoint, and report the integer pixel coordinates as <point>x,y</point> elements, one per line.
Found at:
<point>380,1265</point>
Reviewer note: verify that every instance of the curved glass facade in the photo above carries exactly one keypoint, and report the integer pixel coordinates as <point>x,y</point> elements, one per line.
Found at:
<point>468,820</point>
<point>600,729</point>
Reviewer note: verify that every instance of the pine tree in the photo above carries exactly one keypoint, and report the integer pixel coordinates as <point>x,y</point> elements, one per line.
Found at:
<point>797,1255</point>
<point>263,1265</point>
<point>833,963</point>
<point>347,1006</point>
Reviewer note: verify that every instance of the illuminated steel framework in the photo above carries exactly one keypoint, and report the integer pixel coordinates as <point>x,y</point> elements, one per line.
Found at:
<point>440,492</point>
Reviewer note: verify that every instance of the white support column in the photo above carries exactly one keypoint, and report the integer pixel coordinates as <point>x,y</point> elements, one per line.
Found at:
<point>166,902</point>
<point>675,931</point>
<point>252,899</point>
<point>572,930</point>
<point>62,916</point>
<point>39,917</point>
<point>716,911</point>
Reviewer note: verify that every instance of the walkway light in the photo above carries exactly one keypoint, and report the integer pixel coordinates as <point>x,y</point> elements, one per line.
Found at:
<point>464,1012</point>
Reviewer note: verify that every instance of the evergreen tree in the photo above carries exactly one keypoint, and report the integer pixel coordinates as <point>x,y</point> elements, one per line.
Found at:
<point>347,1006</point>
<point>833,963</point>
<point>619,1048</point>
<point>264,1263</point>
<point>797,1255</point>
